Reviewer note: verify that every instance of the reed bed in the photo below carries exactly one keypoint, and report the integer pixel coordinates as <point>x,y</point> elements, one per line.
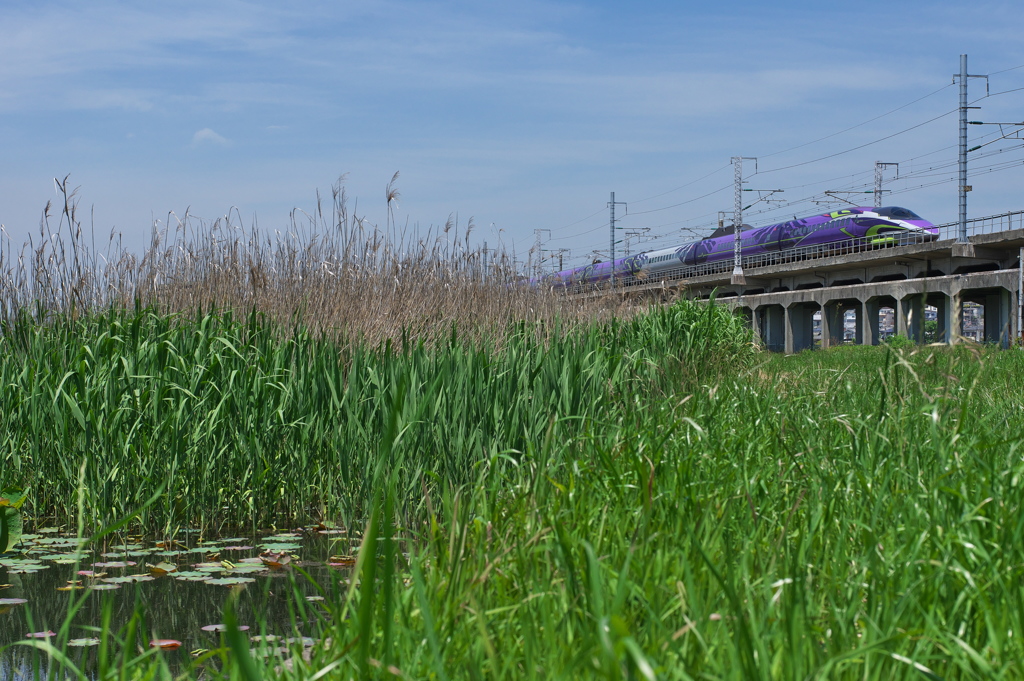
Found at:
<point>330,271</point>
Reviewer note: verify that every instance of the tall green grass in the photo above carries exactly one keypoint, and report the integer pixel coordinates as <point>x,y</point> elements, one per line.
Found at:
<point>637,499</point>
<point>247,426</point>
<point>835,516</point>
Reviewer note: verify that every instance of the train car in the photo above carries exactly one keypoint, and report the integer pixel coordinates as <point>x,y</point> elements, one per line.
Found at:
<point>871,226</point>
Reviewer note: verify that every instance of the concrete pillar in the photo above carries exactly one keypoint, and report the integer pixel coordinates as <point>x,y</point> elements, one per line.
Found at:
<point>755,323</point>
<point>900,321</point>
<point>790,346</point>
<point>799,327</point>
<point>832,318</point>
<point>1014,326</point>
<point>858,327</point>
<point>773,330</point>
<point>997,322</point>
<point>869,327</point>
<point>956,318</point>
<point>911,317</point>
<point>943,318</point>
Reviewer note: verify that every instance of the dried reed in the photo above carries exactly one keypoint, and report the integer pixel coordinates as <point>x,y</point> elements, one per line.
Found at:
<point>330,271</point>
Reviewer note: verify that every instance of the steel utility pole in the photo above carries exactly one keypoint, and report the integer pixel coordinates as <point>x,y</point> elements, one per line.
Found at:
<point>637,233</point>
<point>737,268</point>
<point>961,237</point>
<point>539,246</point>
<point>880,166</point>
<point>611,232</point>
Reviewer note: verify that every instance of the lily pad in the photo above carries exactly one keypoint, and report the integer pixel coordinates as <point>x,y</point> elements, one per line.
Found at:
<point>127,579</point>
<point>41,634</point>
<point>223,627</point>
<point>83,642</point>
<point>279,547</point>
<point>165,643</point>
<point>12,601</point>
<point>115,564</point>
<point>161,569</point>
<point>104,587</point>
<point>246,569</point>
<point>57,542</point>
<point>126,554</point>
<point>230,581</point>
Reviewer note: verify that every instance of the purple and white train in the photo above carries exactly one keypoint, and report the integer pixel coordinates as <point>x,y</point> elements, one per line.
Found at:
<point>867,226</point>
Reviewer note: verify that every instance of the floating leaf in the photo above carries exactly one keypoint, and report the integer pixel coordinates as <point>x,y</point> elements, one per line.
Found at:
<point>83,642</point>
<point>12,601</point>
<point>104,587</point>
<point>115,564</point>
<point>230,581</point>
<point>40,634</point>
<point>275,561</point>
<point>342,561</point>
<point>304,641</point>
<point>313,599</point>
<point>161,569</point>
<point>246,569</point>
<point>70,587</point>
<point>221,627</point>
<point>238,548</point>
<point>128,579</point>
<point>165,643</point>
<point>60,542</point>
<point>126,554</point>
<point>19,566</point>
<point>278,548</point>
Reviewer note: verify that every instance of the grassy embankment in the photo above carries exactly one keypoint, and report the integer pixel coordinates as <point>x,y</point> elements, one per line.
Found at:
<point>619,500</point>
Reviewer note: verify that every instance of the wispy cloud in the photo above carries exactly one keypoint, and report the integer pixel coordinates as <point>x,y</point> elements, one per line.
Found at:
<point>206,136</point>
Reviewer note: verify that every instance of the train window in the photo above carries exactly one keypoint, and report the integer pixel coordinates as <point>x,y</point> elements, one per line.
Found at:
<point>898,213</point>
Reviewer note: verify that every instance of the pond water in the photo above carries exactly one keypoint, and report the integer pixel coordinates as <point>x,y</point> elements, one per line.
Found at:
<point>176,588</point>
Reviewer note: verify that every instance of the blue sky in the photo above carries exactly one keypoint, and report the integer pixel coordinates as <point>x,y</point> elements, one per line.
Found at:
<point>521,115</point>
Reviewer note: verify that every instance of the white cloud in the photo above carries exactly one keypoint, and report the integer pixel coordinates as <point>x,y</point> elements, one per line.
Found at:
<point>208,136</point>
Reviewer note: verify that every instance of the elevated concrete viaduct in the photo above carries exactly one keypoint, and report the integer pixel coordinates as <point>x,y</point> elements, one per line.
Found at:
<point>781,298</point>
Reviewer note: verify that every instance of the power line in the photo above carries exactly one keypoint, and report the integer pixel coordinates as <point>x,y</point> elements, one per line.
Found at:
<point>699,179</point>
<point>683,203</point>
<point>861,146</point>
<point>854,127</point>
